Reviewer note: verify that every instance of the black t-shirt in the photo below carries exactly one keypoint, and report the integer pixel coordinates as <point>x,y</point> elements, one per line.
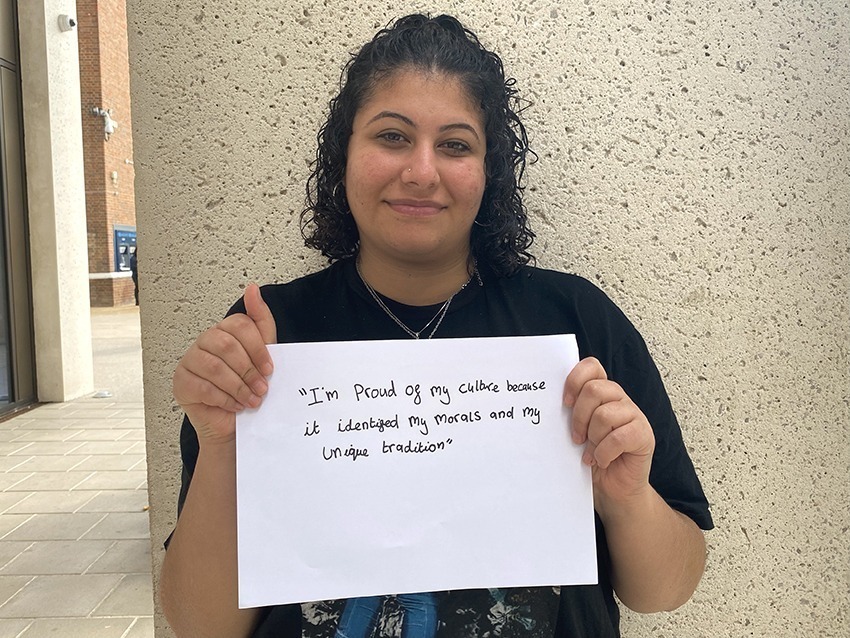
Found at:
<point>334,305</point>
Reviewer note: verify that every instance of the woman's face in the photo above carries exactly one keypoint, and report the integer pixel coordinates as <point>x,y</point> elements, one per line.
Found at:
<point>415,171</point>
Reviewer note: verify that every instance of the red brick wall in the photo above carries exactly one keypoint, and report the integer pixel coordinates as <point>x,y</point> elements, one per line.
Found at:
<point>111,292</point>
<point>105,83</point>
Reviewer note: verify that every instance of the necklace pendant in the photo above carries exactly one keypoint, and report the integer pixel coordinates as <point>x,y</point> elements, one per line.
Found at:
<point>441,313</point>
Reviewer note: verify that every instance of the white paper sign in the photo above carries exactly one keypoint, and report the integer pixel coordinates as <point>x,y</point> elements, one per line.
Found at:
<point>384,467</point>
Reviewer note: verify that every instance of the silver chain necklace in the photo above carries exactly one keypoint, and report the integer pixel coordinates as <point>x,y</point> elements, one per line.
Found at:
<point>441,313</point>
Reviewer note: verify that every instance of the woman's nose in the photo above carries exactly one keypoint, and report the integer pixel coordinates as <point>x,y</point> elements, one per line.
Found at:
<point>421,169</point>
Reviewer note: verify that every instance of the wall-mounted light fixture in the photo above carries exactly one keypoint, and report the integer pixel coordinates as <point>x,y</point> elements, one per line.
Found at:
<point>109,125</point>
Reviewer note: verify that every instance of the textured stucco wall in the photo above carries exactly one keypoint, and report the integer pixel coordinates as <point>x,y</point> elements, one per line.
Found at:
<point>693,163</point>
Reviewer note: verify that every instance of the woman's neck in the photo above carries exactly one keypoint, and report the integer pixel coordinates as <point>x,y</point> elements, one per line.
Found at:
<point>415,284</point>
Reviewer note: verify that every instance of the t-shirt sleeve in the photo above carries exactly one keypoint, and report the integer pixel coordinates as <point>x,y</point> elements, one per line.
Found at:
<point>672,473</point>
<point>189,455</point>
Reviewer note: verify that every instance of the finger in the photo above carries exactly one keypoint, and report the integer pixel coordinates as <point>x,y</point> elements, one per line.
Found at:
<point>212,365</point>
<point>585,370</point>
<point>237,341</point>
<point>190,389</point>
<point>610,415</point>
<point>259,311</point>
<point>633,438</point>
<point>606,419</point>
<point>593,394</point>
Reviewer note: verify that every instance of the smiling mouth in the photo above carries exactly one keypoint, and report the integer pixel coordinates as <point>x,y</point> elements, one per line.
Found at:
<point>415,208</point>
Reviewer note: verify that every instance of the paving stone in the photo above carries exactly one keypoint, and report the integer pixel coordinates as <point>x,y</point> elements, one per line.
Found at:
<point>46,463</point>
<point>124,557</point>
<point>132,414</point>
<point>57,557</point>
<point>109,434</point>
<point>104,447</point>
<point>48,502</point>
<point>96,414</point>
<point>8,480</point>
<point>133,596</point>
<point>8,500</point>
<point>46,414</point>
<point>72,492</point>
<point>11,585</point>
<point>9,550</point>
<point>48,448</point>
<point>46,407</point>
<point>121,525</point>
<point>9,448</point>
<point>116,501</point>
<point>9,463</point>
<point>51,424</point>
<point>79,627</point>
<point>113,462</point>
<point>144,628</point>
<point>17,421</point>
<point>139,447</point>
<point>10,522</point>
<point>13,628</point>
<point>42,435</point>
<point>52,527</point>
<point>128,480</point>
<point>66,595</point>
<point>49,481</point>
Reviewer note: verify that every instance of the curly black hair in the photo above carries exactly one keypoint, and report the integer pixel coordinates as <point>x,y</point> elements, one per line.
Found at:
<point>501,235</point>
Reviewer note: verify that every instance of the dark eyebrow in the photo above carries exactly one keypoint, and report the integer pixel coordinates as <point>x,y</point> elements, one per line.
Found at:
<point>460,125</point>
<point>409,122</point>
<point>397,116</point>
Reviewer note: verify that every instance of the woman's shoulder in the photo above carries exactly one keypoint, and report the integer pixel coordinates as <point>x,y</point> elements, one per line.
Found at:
<point>327,276</point>
<point>559,286</point>
<point>567,297</point>
<point>555,277</point>
<point>317,287</point>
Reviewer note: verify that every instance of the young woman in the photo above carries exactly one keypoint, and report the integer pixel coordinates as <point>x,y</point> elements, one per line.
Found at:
<point>416,201</point>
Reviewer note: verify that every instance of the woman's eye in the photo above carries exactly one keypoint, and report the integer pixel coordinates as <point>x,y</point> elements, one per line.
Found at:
<point>457,147</point>
<point>391,136</point>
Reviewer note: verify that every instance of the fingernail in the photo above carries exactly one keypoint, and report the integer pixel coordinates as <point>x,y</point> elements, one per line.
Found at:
<point>577,438</point>
<point>267,368</point>
<point>569,399</point>
<point>260,387</point>
<point>586,458</point>
<point>254,401</point>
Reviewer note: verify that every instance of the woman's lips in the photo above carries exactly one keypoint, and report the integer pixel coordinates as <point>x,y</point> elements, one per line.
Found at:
<point>415,207</point>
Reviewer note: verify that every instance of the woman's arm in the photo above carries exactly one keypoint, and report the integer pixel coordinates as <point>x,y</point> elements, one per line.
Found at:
<point>657,554</point>
<point>198,583</point>
<point>223,372</point>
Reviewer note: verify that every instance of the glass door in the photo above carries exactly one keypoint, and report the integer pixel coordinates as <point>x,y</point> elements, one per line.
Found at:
<point>17,364</point>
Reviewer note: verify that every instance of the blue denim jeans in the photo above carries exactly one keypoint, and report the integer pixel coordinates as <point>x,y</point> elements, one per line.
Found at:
<point>360,615</point>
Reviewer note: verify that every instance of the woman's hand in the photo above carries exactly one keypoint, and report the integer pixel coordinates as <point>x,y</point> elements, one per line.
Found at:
<point>657,554</point>
<point>224,371</point>
<point>619,440</point>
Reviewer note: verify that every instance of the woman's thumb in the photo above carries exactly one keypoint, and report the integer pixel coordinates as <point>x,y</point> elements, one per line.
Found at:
<point>259,311</point>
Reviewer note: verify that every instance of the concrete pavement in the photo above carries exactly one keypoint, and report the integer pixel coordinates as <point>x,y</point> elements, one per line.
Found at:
<point>74,536</point>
